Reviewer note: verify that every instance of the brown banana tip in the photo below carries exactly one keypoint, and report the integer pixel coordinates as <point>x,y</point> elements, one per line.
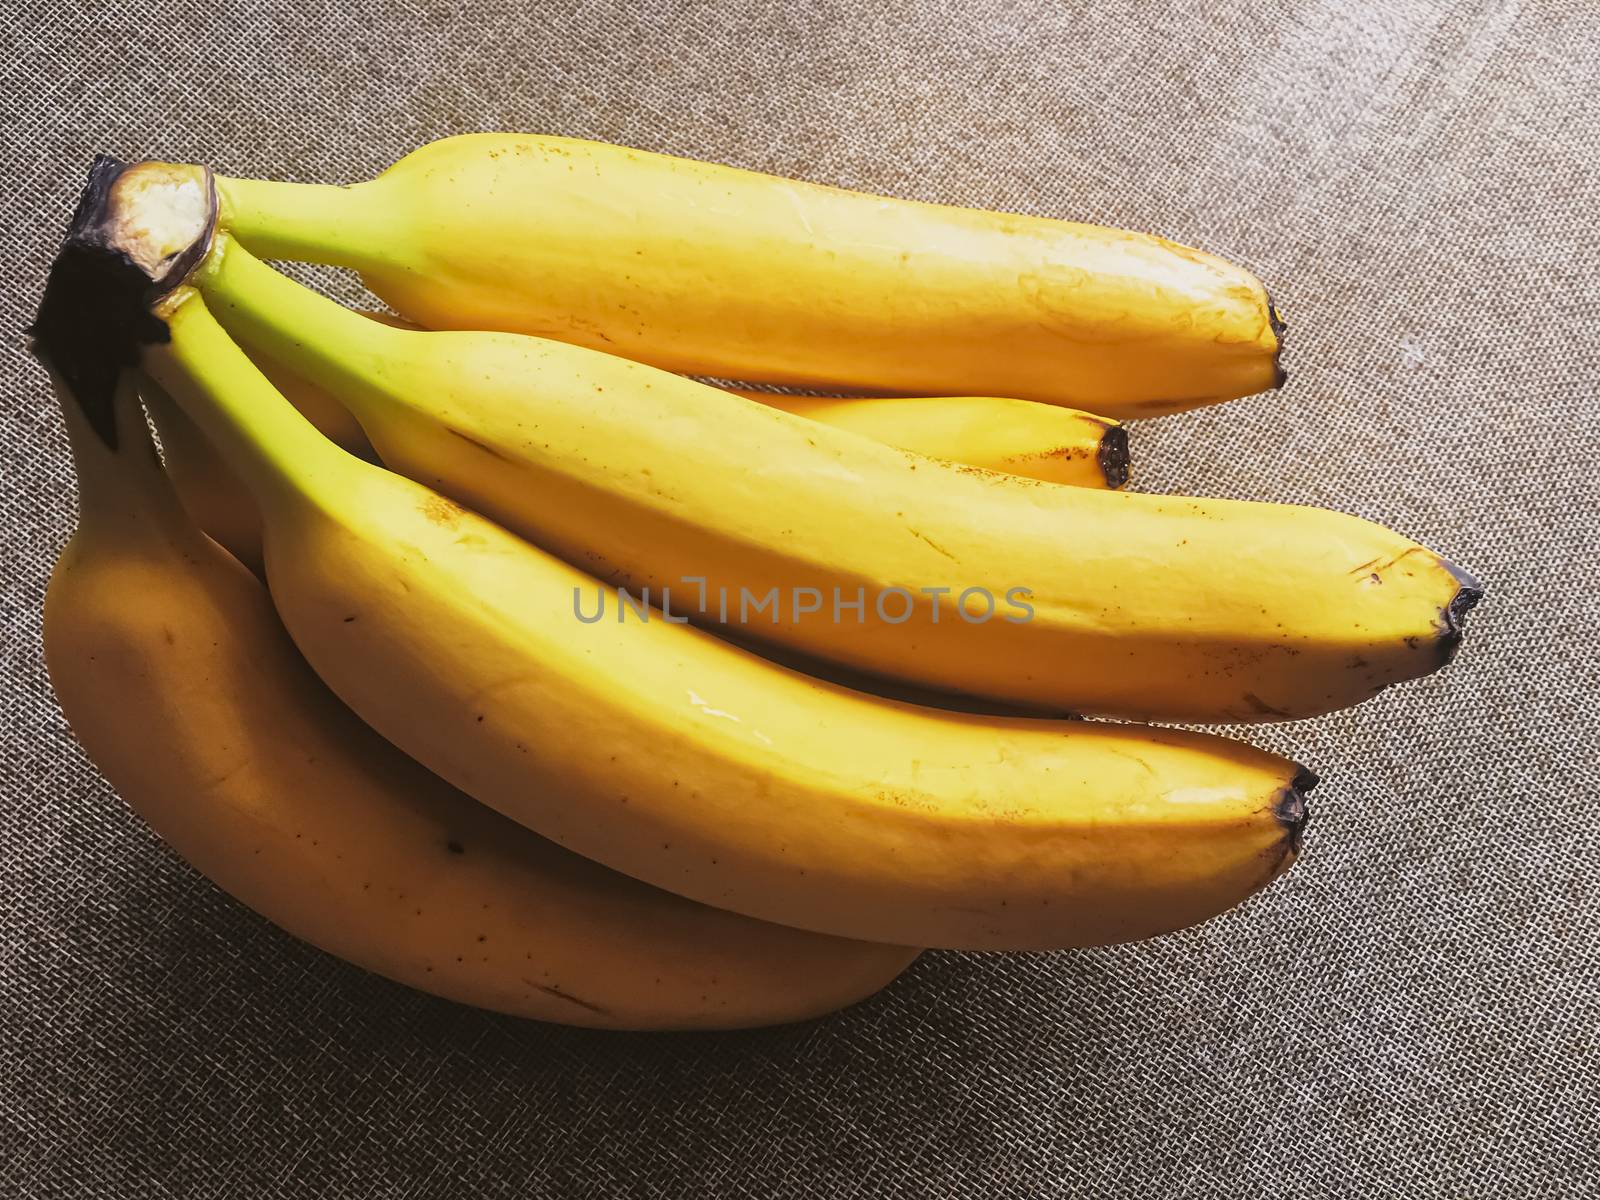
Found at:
<point>1279,326</point>
<point>1113,456</point>
<point>1452,620</point>
<point>1291,808</point>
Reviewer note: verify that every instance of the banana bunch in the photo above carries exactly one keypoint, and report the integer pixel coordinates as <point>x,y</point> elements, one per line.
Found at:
<point>569,666</point>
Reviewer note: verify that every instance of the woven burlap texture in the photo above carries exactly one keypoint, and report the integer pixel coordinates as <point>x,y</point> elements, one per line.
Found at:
<point>1411,1012</point>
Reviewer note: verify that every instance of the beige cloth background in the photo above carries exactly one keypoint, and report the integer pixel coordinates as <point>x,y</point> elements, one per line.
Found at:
<point>1410,1013</point>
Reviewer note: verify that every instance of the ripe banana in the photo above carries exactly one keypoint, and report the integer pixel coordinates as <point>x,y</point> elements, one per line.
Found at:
<point>181,684</point>
<point>997,433</point>
<point>715,271</point>
<point>1021,437</point>
<point>650,746</point>
<point>1148,607</point>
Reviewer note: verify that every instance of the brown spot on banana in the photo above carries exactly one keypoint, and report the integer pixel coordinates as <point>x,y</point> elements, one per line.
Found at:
<point>550,989</point>
<point>476,443</point>
<point>1258,705</point>
<point>441,511</point>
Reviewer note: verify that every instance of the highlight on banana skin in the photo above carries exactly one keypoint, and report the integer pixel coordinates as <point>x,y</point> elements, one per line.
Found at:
<point>482,644</point>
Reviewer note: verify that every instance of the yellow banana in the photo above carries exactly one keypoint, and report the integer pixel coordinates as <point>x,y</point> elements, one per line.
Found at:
<point>1148,607</point>
<point>181,684</point>
<point>997,433</point>
<point>1038,441</point>
<point>716,271</point>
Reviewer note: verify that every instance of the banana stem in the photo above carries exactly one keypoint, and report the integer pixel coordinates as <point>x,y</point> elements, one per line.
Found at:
<point>306,222</point>
<point>273,315</point>
<point>113,300</point>
<point>276,451</point>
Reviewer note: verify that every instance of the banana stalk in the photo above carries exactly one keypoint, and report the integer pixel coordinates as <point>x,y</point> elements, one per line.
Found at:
<point>656,748</point>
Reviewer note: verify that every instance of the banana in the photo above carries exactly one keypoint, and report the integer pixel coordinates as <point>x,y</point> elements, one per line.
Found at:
<point>1038,441</point>
<point>997,433</point>
<point>710,270</point>
<point>1008,589</point>
<point>180,683</point>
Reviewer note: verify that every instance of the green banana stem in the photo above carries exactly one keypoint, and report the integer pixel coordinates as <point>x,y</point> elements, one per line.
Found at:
<point>268,443</point>
<point>305,222</point>
<point>273,315</point>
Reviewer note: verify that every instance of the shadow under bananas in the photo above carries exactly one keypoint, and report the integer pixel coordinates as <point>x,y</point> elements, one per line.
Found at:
<point>212,1018</point>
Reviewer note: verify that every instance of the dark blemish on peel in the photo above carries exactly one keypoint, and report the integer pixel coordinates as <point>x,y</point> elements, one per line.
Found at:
<point>925,538</point>
<point>1257,704</point>
<point>552,990</point>
<point>472,441</point>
